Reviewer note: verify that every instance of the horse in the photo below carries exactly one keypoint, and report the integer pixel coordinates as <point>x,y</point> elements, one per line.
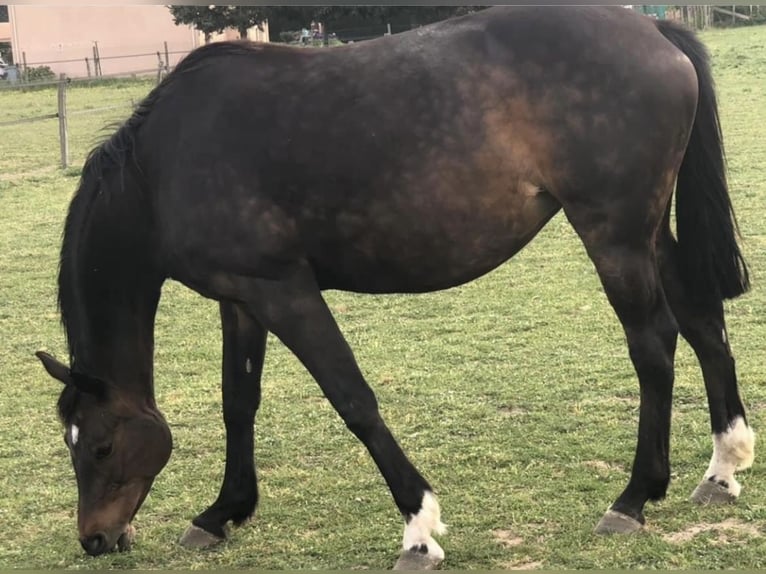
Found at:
<point>260,176</point>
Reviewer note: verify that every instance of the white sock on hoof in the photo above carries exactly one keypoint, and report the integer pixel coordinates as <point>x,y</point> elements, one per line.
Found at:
<point>733,450</point>
<point>417,532</point>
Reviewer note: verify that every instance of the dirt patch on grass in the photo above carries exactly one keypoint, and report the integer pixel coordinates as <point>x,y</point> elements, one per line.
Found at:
<point>724,530</point>
<point>512,412</point>
<point>507,538</point>
<point>20,176</point>
<point>523,564</point>
<point>603,467</point>
<point>623,401</point>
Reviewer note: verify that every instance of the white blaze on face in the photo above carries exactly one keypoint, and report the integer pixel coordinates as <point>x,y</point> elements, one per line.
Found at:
<point>733,450</point>
<point>74,434</point>
<point>248,365</point>
<point>418,530</point>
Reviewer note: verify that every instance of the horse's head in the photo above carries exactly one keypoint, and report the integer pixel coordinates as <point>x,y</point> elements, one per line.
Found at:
<point>118,444</point>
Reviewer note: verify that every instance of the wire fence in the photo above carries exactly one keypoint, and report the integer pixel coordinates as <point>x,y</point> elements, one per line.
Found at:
<point>63,101</point>
<point>26,76</point>
<point>52,103</point>
<point>57,100</point>
<point>93,65</point>
<point>41,115</point>
<point>55,107</point>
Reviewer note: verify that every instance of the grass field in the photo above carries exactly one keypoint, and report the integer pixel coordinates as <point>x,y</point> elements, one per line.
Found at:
<point>514,395</point>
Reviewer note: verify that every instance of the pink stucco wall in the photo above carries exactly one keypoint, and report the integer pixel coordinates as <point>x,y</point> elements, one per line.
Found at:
<point>5,32</point>
<point>54,35</point>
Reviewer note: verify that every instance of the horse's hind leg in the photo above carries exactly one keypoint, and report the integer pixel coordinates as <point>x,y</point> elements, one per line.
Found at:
<point>619,242</point>
<point>294,310</point>
<point>631,282</point>
<point>704,328</point>
<point>244,347</point>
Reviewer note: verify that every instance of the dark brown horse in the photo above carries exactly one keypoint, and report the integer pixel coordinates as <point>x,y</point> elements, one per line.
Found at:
<point>260,175</point>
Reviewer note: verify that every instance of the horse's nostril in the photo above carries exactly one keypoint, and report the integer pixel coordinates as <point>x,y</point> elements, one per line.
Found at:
<point>94,545</point>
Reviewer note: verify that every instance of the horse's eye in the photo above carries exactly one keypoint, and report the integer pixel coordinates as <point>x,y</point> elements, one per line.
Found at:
<point>103,451</point>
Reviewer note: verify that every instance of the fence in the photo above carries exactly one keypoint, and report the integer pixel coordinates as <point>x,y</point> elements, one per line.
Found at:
<point>55,96</point>
<point>706,16</point>
<point>59,108</point>
<point>158,61</point>
<point>20,78</point>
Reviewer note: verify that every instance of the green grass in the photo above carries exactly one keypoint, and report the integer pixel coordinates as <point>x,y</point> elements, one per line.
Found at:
<point>514,394</point>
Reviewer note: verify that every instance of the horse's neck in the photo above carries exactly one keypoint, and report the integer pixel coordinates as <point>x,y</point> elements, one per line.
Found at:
<point>109,286</point>
<point>117,341</point>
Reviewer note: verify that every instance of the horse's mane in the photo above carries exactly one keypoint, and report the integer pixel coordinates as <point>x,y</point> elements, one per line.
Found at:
<point>106,164</point>
<point>107,167</point>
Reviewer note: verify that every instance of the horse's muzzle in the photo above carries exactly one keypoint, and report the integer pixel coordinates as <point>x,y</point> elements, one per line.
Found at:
<point>95,545</point>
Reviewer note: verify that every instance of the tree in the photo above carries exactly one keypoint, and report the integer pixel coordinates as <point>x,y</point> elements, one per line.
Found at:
<point>212,19</point>
<point>215,19</point>
<point>207,19</point>
<point>416,15</point>
<point>382,14</point>
<point>288,18</point>
<point>245,17</point>
<point>282,18</point>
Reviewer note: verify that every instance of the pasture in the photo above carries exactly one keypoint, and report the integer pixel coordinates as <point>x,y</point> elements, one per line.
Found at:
<point>514,394</point>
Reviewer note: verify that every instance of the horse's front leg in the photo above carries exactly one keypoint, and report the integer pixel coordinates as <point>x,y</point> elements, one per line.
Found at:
<point>244,347</point>
<point>294,310</point>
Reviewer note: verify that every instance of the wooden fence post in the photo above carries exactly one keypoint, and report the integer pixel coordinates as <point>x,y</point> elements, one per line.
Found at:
<point>160,67</point>
<point>63,131</point>
<point>96,60</point>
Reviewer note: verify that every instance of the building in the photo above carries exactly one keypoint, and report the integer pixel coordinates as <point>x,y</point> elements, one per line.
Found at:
<point>87,40</point>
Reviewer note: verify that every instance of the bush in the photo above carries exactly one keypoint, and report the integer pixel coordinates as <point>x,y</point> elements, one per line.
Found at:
<point>290,36</point>
<point>39,74</point>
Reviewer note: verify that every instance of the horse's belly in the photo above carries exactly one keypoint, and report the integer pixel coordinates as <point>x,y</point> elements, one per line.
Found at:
<point>419,250</point>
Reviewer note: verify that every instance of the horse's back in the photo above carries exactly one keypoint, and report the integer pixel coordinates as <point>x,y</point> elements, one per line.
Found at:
<point>412,162</point>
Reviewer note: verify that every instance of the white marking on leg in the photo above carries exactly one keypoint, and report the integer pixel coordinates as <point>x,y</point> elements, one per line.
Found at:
<point>74,434</point>
<point>724,338</point>
<point>733,450</point>
<point>417,532</point>
<point>248,365</point>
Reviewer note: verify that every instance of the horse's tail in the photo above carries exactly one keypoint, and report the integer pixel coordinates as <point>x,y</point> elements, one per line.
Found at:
<point>710,262</point>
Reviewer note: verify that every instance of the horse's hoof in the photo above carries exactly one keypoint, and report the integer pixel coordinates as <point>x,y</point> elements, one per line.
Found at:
<point>126,539</point>
<point>416,560</point>
<point>614,522</point>
<point>710,492</point>
<point>196,538</point>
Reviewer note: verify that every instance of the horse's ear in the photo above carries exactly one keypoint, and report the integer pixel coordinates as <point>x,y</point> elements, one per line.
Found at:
<point>56,369</point>
<point>61,372</point>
